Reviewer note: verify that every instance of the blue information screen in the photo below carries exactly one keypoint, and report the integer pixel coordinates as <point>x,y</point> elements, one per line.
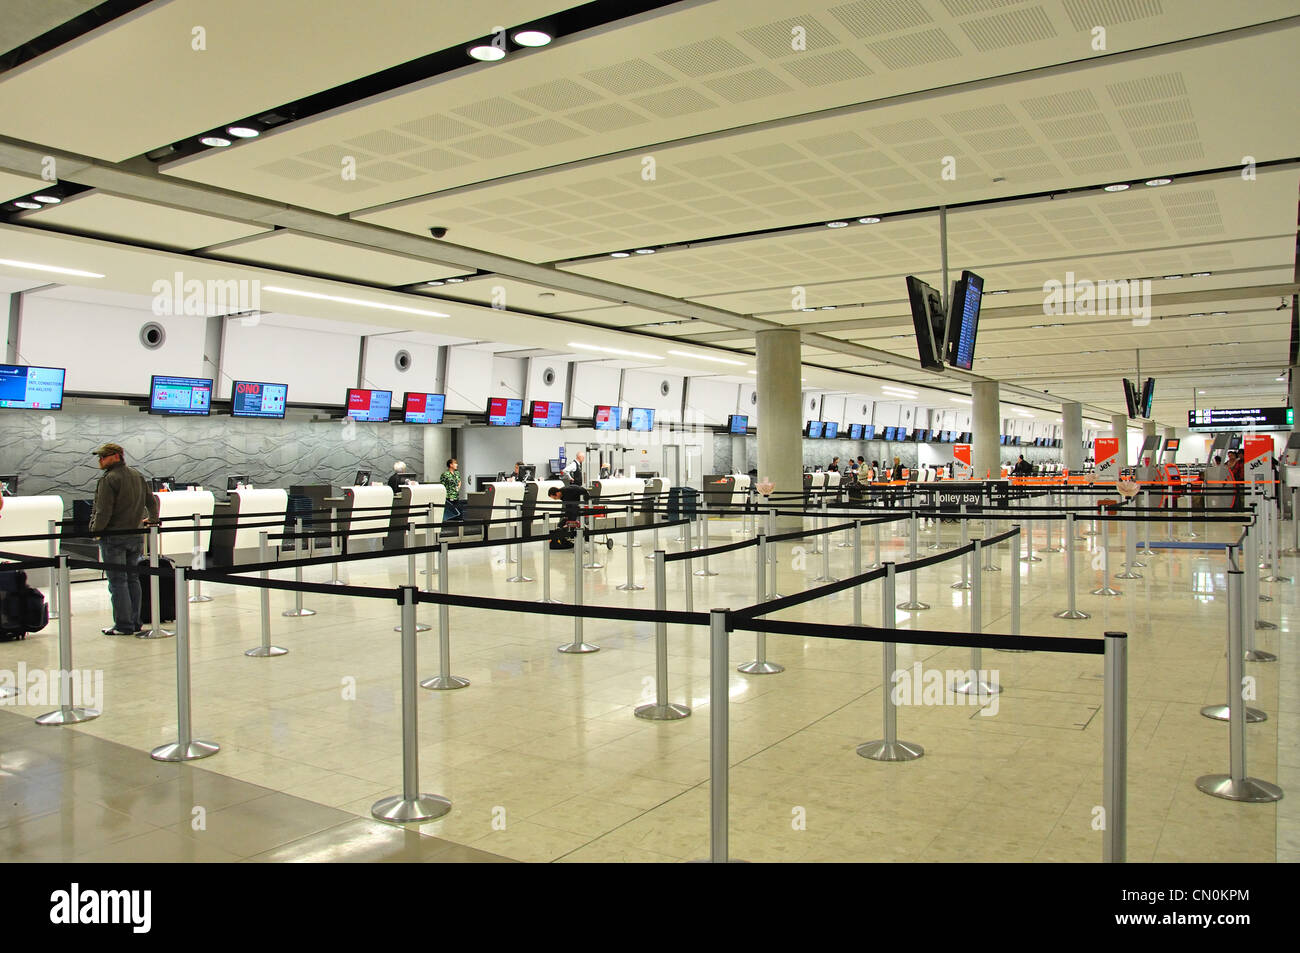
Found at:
<point>970,316</point>
<point>254,399</point>
<point>832,430</point>
<point>505,412</point>
<point>547,413</point>
<point>369,406</point>
<point>608,418</point>
<point>31,388</point>
<point>815,429</point>
<point>640,418</point>
<point>180,395</point>
<point>423,408</point>
<point>739,423</point>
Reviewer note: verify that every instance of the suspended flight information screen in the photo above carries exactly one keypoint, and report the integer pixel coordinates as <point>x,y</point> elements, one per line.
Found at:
<point>1210,419</point>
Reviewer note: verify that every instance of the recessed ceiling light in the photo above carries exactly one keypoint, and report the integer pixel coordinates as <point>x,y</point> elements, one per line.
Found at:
<point>1171,277</point>
<point>1202,274</point>
<point>960,400</point>
<point>27,204</point>
<point>216,142</point>
<point>645,251</point>
<point>50,268</point>
<point>1002,292</point>
<point>1282,378</point>
<point>708,357</point>
<point>1056,325</point>
<point>1155,182</point>
<point>377,305</point>
<point>620,254</point>
<point>455,281</point>
<point>807,309</point>
<point>532,37</point>
<point>1197,314</point>
<point>828,307</point>
<point>243,132</point>
<point>869,220</point>
<point>47,199</point>
<point>613,350</point>
<point>1200,392</point>
<point>1218,314</point>
<point>1118,187</point>
<point>487,53</point>
<point>435,284</point>
<point>837,224</point>
<point>1037,327</point>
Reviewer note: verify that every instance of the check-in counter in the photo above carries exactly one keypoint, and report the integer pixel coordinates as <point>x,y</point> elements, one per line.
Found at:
<point>493,502</point>
<point>365,512</point>
<point>654,497</point>
<point>231,532</point>
<point>28,516</point>
<point>537,492</point>
<point>1216,481</point>
<point>616,493</point>
<point>739,489</point>
<point>173,509</point>
<point>411,505</point>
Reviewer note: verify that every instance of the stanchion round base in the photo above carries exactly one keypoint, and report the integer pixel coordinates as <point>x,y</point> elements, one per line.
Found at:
<point>760,668</point>
<point>68,716</point>
<point>266,651</point>
<point>444,683</point>
<point>8,693</point>
<point>552,602</point>
<point>1262,624</point>
<point>155,634</point>
<point>578,648</point>
<point>178,752</point>
<point>402,810</point>
<point>632,588</point>
<point>1052,549</point>
<point>1147,552</point>
<point>1258,655</point>
<point>419,627</point>
<point>843,545</point>
<point>594,566</point>
<point>913,606</point>
<point>1106,591</point>
<point>825,579</point>
<point>669,712</point>
<point>1071,614</point>
<point>890,751</point>
<point>704,572</point>
<point>520,579</point>
<point>1030,559</point>
<point>992,569</point>
<point>194,599</point>
<point>1275,579</point>
<point>335,582</point>
<point>297,613</point>
<point>976,686</point>
<point>1250,790</point>
<point>1221,713</point>
<point>1265,598</point>
<point>960,585</point>
<point>1128,574</point>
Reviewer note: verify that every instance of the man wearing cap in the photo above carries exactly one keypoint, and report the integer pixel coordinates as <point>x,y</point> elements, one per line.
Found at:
<point>122,502</point>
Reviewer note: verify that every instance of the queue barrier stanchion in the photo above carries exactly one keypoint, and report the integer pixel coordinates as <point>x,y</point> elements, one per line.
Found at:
<point>1047,529</point>
<point>973,682</point>
<point>1131,561</point>
<point>876,540</point>
<point>825,551</point>
<point>1071,611</point>
<point>630,584</point>
<point>719,747</point>
<point>654,520</point>
<point>1273,541</point>
<point>586,539</point>
<point>411,805</point>
<point>816,540</point>
<point>1105,589</point>
<point>155,630</point>
<point>444,681</point>
<point>52,575</point>
<point>965,557</point>
<point>579,646</point>
<point>337,545</point>
<point>429,568</point>
<point>857,571</point>
<point>1294,549</point>
<point>67,713</point>
<point>847,541</point>
<point>1238,614</point>
<point>1114,798</point>
<point>662,709</point>
<point>186,747</point>
<point>913,548</point>
<point>938,530</point>
<point>298,610</point>
<point>1029,556</point>
<point>760,664</point>
<point>990,564</point>
<point>410,577</point>
<point>201,561</point>
<point>1248,629</point>
<point>1237,785</point>
<point>1146,549</point>
<point>265,649</point>
<point>546,561</point>
<point>889,748</point>
<point>912,604</point>
<point>1253,580</point>
<point>704,570</point>
<point>516,534</point>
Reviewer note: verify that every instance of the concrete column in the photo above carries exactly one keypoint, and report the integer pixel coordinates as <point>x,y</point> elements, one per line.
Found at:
<point>986,417</point>
<point>1119,430</point>
<point>1148,429</point>
<point>780,402</point>
<point>1072,436</point>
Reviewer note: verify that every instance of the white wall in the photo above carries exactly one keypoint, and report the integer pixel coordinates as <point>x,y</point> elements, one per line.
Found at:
<point>318,367</point>
<point>509,377</point>
<point>857,410</point>
<point>380,370</point>
<point>833,409</point>
<point>468,380</point>
<point>709,401</point>
<point>593,384</point>
<point>884,415</point>
<point>536,388</point>
<point>747,403</point>
<point>643,389</point>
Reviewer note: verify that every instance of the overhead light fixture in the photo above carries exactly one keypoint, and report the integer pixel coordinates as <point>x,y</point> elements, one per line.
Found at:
<point>1155,182</point>
<point>1218,314</point>
<point>360,303</point>
<point>644,251</point>
<point>870,220</point>
<point>435,284</point>
<point>1202,274</point>
<point>531,36</point>
<point>243,132</point>
<point>1171,277</point>
<point>837,224</point>
<point>807,309</point>
<point>1118,187</point>
<point>216,142</point>
<point>1037,327</point>
<point>960,400</point>
<point>898,390</point>
<point>52,269</point>
<point>25,203</point>
<point>1200,392</point>
<point>487,53</point>
<point>708,357</point>
<point>455,281</point>
<point>1280,379</point>
<point>620,254</point>
<point>828,307</point>
<point>1197,314</point>
<point>1002,292</point>
<point>619,352</point>
<point>45,199</point>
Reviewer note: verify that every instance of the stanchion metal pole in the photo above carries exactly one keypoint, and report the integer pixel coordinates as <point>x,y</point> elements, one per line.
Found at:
<point>185,747</point>
<point>857,571</point>
<point>67,713</point>
<point>1130,551</point>
<point>336,546</point>
<point>410,577</point>
<point>913,549</point>
<point>912,604</point>
<point>52,581</point>
<point>974,682</point>
<point>1254,599</point>
<point>826,555</point>
<point>1237,785</point>
<point>265,649</point>
<point>965,557</point>
<point>516,523</point>
<point>1047,527</point>
<point>938,530</point>
<point>411,804</point>
<point>875,528</point>
<point>546,561</point>
<point>760,665</point>
<point>704,541</point>
<point>817,540</point>
<point>654,520</point>
<point>200,562</point>
<point>889,748</point>
<point>1015,582</point>
<point>155,630</point>
<point>1272,540</point>
<point>662,709</point>
<point>444,681</point>
<point>846,541</point>
<point>719,760</point>
<point>297,609</point>
<point>588,541</point>
<point>1294,549</point>
<point>630,585</point>
<point>1146,528</point>
<point>580,646</point>
<point>1114,797</point>
<point>1071,611</point>
<point>1029,556</point>
<point>1105,589</point>
<point>429,569</point>
<point>1237,615</point>
<point>990,565</point>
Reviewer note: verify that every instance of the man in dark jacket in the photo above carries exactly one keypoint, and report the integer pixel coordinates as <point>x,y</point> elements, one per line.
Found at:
<point>123,501</point>
<point>1023,467</point>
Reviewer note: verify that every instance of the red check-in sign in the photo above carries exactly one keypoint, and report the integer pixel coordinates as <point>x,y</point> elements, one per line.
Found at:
<point>1106,451</point>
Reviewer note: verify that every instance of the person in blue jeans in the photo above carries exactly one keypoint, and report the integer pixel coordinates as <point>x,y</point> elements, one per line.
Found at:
<point>123,501</point>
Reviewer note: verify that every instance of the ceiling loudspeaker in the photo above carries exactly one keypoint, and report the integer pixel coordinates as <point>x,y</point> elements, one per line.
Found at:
<point>665,388</point>
<point>152,335</point>
<point>548,377</point>
<point>866,408</point>
<point>812,404</point>
<point>402,361</point>
<point>753,398</point>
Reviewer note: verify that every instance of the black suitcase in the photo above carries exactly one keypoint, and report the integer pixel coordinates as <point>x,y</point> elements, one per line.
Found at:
<point>166,592</point>
<point>22,608</point>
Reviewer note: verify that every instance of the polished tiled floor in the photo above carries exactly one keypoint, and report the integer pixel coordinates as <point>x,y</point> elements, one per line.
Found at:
<point>543,759</point>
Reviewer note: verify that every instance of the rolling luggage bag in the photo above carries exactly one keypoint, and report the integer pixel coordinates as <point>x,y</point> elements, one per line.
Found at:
<point>22,608</point>
<point>166,594</point>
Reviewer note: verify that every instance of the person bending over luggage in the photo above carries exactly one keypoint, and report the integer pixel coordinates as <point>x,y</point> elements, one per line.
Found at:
<point>572,497</point>
<point>122,502</point>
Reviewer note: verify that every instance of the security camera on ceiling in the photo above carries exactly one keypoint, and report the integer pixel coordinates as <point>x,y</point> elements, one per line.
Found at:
<point>438,231</point>
<point>1283,306</point>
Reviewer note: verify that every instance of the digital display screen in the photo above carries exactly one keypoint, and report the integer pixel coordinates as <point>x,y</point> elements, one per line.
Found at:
<point>1003,440</point>
<point>370,406</point>
<point>641,419</point>
<point>31,388</point>
<point>890,432</point>
<point>815,429</point>
<point>966,312</point>
<point>608,417</point>
<point>547,413</point>
<point>868,431</point>
<point>855,431</point>
<point>423,408</point>
<point>1244,418</point>
<point>255,399</point>
<point>738,423</point>
<point>505,412</point>
<point>190,396</point>
<point>831,429</point>
<point>901,433</point>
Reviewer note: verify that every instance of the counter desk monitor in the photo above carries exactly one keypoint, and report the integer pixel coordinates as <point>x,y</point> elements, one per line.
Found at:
<point>9,484</point>
<point>557,467</point>
<point>257,399</point>
<point>1171,445</point>
<point>182,396</point>
<point>420,408</point>
<point>868,431</point>
<point>31,388</point>
<point>362,478</point>
<point>737,423</point>
<point>855,431</point>
<point>369,406</point>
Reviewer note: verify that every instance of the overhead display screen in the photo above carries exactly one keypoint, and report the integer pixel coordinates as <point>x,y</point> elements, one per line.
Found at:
<point>423,408</point>
<point>608,417</point>
<point>832,429</point>
<point>505,412</point>
<point>738,423</point>
<point>641,419</point>
<point>369,406</point>
<point>815,429</point>
<point>1209,420</point>
<point>256,399</point>
<point>547,413</point>
<point>966,315</point>
<point>855,431</point>
<point>31,388</point>
<point>190,396</point>
<point>868,431</point>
